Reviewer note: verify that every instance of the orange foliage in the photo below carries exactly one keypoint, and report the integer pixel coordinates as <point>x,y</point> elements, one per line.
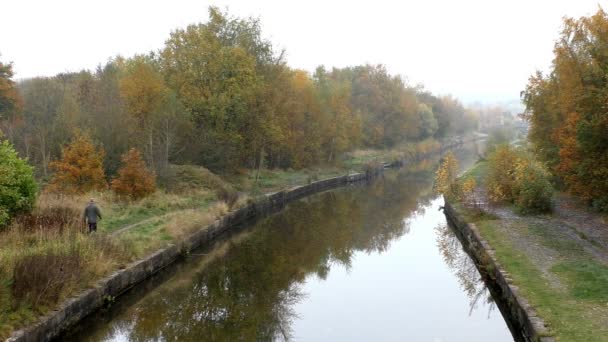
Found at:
<point>134,179</point>
<point>81,167</point>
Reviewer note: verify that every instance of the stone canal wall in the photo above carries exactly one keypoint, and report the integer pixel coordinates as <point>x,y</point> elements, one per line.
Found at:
<point>106,290</point>
<point>74,309</point>
<point>520,316</point>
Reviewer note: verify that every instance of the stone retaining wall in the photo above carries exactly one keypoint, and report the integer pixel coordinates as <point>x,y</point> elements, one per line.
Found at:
<point>74,309</point>
<point>521,317</point>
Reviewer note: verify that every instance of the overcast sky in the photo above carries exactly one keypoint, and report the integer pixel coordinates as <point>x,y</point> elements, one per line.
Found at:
<point>476,50</point>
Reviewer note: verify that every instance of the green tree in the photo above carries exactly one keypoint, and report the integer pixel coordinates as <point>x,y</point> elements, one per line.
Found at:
<point>217,82</point>
<point>18,188</point>
<point>428,123</point>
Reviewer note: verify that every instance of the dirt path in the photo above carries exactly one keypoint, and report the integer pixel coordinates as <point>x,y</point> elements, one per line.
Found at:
<point>590,225</point>
<point>136,224</point>
<point>149,220</point>
<point>571,229</point>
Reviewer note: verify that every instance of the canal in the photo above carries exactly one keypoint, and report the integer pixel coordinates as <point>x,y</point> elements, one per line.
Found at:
<point>371,262</point>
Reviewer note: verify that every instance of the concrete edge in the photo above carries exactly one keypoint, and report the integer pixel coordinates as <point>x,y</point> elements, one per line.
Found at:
<point>74,309</point>
<point>522,315</point>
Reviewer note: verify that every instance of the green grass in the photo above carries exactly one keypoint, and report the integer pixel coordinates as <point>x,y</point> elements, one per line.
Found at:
<point>568,313</point>
<point>119,215</point>
<point>586,279</point>
<point>478,172</point>
<point>576,309</point>
<point>566,247</point>
<point>275,180</point>
<point>165,216</point>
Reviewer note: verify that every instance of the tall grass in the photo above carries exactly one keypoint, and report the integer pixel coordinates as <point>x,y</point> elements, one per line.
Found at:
<point>47,256</point>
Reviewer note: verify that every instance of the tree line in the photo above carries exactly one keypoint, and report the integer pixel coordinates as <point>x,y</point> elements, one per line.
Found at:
<point>219,95</point>
<point>566,109</point>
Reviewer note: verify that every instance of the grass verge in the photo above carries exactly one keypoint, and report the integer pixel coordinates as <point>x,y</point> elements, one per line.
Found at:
<point>46,257</point>
<point>564,282</point>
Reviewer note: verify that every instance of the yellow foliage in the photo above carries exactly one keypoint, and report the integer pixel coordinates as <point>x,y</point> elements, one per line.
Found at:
<point>501,173</point>
<point>445,176</point>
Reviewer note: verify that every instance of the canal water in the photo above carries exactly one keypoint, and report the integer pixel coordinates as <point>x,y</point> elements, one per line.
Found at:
<point>370,262</point>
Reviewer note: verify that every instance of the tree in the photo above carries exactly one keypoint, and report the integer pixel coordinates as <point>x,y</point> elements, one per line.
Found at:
<point>134,180</point>
<point>10,100</point>
<point>43,99</point>
<point>216,79</point>
<point>428,123</point>
<point>566,109</point>
<point>145,94</point>
<point>81,167</point>
<point>18,188</point>
<point>445,177</point>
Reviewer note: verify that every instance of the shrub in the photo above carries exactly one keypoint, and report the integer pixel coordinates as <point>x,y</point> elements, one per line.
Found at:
<point>514,177</point>
<point>134,179</point>
<point>500,179</point>
<point>445,177</point>
<point>533,191</point>
<point>80,169</point>
<point>18,188</point>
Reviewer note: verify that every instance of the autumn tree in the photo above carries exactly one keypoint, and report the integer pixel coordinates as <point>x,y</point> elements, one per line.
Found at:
<point>566,109</point>
<point>216,79</point>
<point>445,177</point>
<point>10,101</point>
<point>134,179</point>
<point>81,167</point>
<point>219,95</point>
<point>147,99</point>
<point>342,125</point>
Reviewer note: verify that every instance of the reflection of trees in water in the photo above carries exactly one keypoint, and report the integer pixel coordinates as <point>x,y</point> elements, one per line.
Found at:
<point>249,292</point>
<point>464,268</point>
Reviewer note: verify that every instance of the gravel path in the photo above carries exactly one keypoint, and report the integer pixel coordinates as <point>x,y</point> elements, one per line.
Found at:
<point>570,230</point>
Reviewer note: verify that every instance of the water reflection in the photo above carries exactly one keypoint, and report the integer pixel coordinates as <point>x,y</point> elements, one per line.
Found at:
<point>464,269</point>
<point>252,287</point>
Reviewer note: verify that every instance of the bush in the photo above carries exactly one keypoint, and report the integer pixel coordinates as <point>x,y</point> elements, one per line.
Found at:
<point>134,179</point>
<point>445,177</point>
<point>515,177</point>
<point>532,192</point>
<point>500,179</point>
<point>18,188</point>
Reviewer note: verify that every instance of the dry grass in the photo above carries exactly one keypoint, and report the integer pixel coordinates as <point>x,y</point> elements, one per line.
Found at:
<point>189,221</point>
<point>358,159</point>
<point>45,257</point>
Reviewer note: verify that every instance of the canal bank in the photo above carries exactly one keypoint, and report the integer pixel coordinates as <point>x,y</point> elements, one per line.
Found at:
<point>551,268</point>
<point>522,319</point>
<point>371,261</point>
<point>111,287</point>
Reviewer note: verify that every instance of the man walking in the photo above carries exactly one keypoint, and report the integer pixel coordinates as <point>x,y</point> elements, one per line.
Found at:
<point>91,213</point>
